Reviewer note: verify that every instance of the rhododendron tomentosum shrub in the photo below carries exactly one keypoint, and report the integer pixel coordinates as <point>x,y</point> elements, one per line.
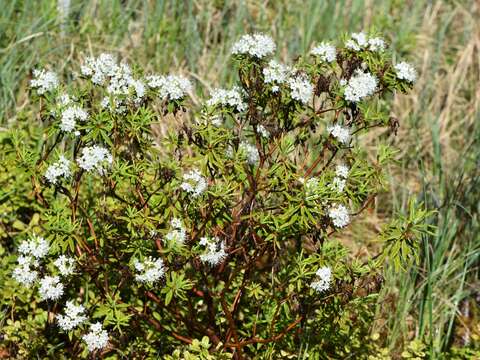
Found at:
<point>229,228</point>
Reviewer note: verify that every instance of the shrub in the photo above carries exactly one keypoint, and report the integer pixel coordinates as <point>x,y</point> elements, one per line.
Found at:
<point>143,223</point>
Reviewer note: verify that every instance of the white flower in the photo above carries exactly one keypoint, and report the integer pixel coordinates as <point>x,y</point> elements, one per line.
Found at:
<point>338,184</point>
<point>99,69</point>
<point>250,151</point>
<point>301,88</point>
<point>360,38</point>
<point>50,288</point>
<point>351,44</point>
<point>376,44</point>
<point>360,85</point>
<point>360,41</point>
<point>73,316</point>
<point>342,171</point>
<point>232,98</point>
<point>139,88</point>
<point>149,270</point>
<point>263,131</point>
<point>44,81</point>
<point>104,70</point>
<point>69,117</point>
<point>357,42</point>
<point>256,45</point>
<point>194,183</point>
<point>324,277</point>
<point>405,71</point>
<point>37,247</point>
<point>120,80</point>
<point>342,134</point>
<point>214,251</point>
<point>24,273</point>
<point>339,215</point>
<point>276,73</point>
<point>171,87</point>
<point>178,233</point>
<point>94,158</point>
<point>65,264</point>
<point>97,338</point>
<point>59,169</point>
<point>325,51</point>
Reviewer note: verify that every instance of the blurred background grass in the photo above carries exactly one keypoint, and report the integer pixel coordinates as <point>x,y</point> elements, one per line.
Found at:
<point>439,159</point>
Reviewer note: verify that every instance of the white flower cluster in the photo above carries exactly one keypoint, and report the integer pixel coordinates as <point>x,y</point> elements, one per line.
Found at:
<point>215,251</point>
<point>104,70</point>
<point>74,316</point>
<point>276,74</point>
<point>37,247</point>
<point>256,45</point>
<point>70,116</point>
<point>50,288</point>
<point>232,98</point>
<point>339,215</point>
<point>301,88</point>
<point>149,270</point>
<point>324,277</point>
<point>325,51</point>
<point>250,152</point>
<point>44,81</point>
<point>340,180</point>
<point>178,234</point>
<point>376,44</point>
<point>139,90</point>
<point>59,169</point>
<point>94,158</point>
<point>25,272</point>
<point>32,252</point>
<point>65,264</point>
<point>99,69</point>
<point>360,85</point>
<point>97,338</point>
<point>342,134</point>
<point>170,87</point>
<point>405,71</point>
<point>194,183</point>
<point>360,41</point>
<point>120,80</point>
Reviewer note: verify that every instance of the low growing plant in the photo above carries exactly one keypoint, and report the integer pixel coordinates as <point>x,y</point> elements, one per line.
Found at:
<point>149,227</point>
